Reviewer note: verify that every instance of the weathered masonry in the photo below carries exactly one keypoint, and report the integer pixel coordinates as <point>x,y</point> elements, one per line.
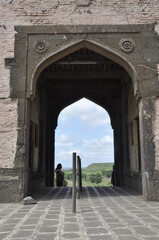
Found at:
<point>113,66</point>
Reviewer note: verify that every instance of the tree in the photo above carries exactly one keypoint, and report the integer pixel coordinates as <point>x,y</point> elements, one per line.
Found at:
<point>92,178</point>
<point>104,173</point>
<point>108,174</point>
<point>84,176</point>
<point>98,178</point>
<point>95,178</point>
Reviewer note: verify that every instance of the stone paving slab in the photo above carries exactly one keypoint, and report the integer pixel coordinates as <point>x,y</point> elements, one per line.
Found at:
<point>103,213</point>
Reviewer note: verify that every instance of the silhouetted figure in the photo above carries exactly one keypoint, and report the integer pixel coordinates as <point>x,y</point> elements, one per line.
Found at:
<point>59,176</point>
<point>113,177</point>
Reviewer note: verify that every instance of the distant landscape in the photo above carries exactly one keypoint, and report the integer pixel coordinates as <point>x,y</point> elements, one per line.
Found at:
<point>96,174</point>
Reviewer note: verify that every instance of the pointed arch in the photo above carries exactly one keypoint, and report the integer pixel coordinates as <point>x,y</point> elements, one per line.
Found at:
<point>93,45</point>
<point>68,104</point>
<point>95,120</point>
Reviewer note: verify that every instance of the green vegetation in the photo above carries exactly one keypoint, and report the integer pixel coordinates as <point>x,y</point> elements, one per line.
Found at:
<point>95,178</point>
<point>96,174</point>
<point>99,167</point>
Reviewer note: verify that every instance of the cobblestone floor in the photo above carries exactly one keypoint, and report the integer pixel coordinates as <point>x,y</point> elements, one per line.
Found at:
<point>108,213</point>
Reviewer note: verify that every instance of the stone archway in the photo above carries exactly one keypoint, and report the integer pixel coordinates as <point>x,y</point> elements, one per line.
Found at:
<point>45,48</point>
<point>84,73</point>
<point>92,45</point>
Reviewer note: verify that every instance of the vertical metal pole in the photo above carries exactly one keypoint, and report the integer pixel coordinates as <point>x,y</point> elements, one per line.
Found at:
<point>80,170</point>
<point>74,184</point>
<point>78,177</point>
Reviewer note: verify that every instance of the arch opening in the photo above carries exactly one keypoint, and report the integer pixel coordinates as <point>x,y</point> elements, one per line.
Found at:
<point>86,74</point>
<point>84,127</point>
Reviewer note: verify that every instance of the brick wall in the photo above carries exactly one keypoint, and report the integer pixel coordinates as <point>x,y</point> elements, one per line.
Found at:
<point>60,12</point>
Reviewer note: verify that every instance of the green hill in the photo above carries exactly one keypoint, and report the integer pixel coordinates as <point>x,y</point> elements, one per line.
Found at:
<point>94,170</point>
<point>99,167</point>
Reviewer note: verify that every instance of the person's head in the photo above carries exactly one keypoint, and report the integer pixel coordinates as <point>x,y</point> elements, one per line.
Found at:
<point>59,166</point>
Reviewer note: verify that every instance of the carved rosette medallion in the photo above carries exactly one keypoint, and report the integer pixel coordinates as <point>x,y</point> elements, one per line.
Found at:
<point>41,46</point>
<point>127,45</point>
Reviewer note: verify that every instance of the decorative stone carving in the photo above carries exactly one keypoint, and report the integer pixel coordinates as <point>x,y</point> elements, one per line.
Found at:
<point>127,45</point>
<point>41,46</point>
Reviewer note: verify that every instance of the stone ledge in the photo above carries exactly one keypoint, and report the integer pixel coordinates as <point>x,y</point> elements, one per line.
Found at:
<point>63,29</point>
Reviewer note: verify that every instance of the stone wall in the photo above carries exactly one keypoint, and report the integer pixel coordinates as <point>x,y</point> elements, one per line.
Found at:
<point>61,12</point>
<point>66,12</point>
<point>55,12</point>
<point>11,185</point>
<point>8,132</point>
<point>156,134</point>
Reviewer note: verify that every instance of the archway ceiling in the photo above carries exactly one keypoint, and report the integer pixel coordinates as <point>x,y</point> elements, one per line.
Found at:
<point>84,64</point>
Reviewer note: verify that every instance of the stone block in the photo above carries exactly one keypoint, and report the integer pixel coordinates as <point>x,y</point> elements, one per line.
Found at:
<point>23,234</point>
<point>46,236</point>
<point>83,2</point>
<point>145,231</point>
<point>28,200</point>
<point>100,237</point>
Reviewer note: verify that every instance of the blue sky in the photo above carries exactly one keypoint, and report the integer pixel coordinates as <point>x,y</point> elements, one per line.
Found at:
<point>84,128</point>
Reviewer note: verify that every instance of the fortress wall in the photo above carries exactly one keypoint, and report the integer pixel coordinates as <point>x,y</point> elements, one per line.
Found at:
<point>55,12</point>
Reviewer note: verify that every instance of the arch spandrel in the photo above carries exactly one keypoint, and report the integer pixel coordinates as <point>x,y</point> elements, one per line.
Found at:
<point>107,41</point>
<point>72,46</point>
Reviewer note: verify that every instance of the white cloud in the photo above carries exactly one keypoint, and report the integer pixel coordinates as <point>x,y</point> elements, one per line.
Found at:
<point>64,139</point>
<point>95,150</point>
<point>89,114</point>
<point>106,139</point>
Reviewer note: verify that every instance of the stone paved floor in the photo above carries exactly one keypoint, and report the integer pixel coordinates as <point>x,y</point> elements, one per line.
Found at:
<point>108,213</point>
